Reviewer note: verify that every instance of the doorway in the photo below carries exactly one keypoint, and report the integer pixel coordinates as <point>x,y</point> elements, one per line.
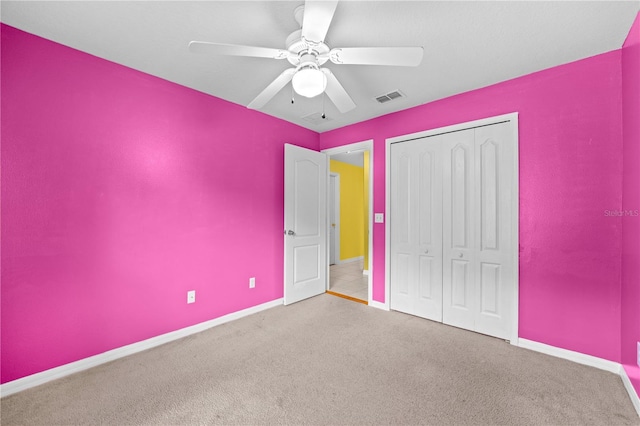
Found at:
<point>349,271</point>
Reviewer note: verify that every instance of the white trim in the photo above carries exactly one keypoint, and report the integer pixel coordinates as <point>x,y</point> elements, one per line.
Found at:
<point>387,223</point>
<point>36,379</point>
<point>515,230</point>
<point>580,358</point>
<point>635,400</point>
<point>336,207</point>
<point>365,272</point>
<point>350,260</point>
<point>378,305</point>
<point>361,146</point>
<point>584,359</point>
<point>511,117</point>
<point>455,127</point>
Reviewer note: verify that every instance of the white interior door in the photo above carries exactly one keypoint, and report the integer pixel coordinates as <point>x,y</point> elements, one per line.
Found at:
<point>416,228</point>
<point>305,207</point>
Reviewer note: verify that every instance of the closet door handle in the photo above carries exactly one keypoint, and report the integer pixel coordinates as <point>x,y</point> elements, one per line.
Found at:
<point>460,255</point>
<point>290,232</point>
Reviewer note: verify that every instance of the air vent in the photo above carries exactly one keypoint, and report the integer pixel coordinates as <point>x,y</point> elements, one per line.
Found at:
<point>316,118</point>
<point>388,97</point>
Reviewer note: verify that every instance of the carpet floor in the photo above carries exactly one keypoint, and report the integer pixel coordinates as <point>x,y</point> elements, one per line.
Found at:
<point>327,360</point>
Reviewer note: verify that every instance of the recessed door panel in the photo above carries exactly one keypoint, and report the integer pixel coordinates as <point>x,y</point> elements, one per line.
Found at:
<point>426,279</point>
<point>425,195</point>
<point>489,195</point>
<point>307,209</point>
<point>403,220</point>
<point>306,267</point>
<point>490,289</point>
<point>459,195</point>
<point>402,273</point>
<point>459,284</point>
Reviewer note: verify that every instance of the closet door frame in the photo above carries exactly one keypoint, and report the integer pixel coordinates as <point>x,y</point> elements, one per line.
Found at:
<point>512,118</point>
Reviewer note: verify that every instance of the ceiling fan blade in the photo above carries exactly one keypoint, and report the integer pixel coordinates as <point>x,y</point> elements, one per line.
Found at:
<point>317,18</point>
<point>272,89</point>
<point>337,94</point>
<point>397,56</point>
<point>237,50</point>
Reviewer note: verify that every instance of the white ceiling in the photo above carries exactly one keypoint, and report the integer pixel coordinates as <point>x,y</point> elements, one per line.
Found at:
<point>355,158</point>
<point>467,45</point>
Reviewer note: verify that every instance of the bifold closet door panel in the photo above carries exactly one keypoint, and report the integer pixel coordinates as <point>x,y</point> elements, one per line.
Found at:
<point>416,231</point>
<point>402,236</point>
<point>459,256</point>
<point>494,172</point>
<point>428,210</point>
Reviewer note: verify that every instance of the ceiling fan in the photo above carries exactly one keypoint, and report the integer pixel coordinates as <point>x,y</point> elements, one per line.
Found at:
<point>307,51</point>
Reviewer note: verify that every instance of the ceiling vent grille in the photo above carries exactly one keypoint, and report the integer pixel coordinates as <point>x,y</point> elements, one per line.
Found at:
<point>388,97</point>
<point>316,118</point>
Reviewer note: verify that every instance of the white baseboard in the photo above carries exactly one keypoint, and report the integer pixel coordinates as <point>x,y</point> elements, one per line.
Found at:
<point>379,305</point>
<point>27,382</point>
<point>630,390</point>
<point>365,272</point>
<point>580,358</point>
<point>351,260</point>
<point>592,361</point>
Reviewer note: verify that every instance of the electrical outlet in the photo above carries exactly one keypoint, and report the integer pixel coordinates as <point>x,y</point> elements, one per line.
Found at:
<point>191,296</point>
<point>252,282</point>
<point>379,218</point>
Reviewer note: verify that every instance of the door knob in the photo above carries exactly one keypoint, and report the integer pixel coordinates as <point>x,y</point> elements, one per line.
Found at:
<point>426,252</point>
<point>290,232</point>
<point>460,255</point>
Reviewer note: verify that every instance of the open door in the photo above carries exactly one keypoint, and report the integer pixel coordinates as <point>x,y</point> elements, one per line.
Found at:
<point>305,222</point>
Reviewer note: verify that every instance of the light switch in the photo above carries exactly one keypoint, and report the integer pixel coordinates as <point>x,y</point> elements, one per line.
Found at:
<point>379,218</point>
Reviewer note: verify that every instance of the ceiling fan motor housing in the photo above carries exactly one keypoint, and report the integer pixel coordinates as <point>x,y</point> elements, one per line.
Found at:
<point>301,48</point>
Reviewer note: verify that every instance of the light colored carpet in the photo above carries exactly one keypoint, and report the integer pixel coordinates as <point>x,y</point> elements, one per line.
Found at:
<point>327,360</point>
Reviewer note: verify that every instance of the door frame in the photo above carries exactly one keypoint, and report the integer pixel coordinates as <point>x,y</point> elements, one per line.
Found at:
<point>336,207</point>
<point>358,146</point>
<point>511,117</point>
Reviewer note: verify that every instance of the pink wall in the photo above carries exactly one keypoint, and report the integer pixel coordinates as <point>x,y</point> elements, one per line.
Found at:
<point>120,192</point>
<point>570,162</point>
<point>631,203</point>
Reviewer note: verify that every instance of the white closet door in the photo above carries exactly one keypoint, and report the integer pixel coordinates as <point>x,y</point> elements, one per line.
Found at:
<point>494,266</point>
<point>453,204</point>
<point>459,256</point>
<point>416,231</point>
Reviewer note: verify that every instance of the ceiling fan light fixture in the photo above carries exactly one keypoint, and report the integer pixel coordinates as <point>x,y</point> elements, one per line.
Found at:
<point>309,82</point>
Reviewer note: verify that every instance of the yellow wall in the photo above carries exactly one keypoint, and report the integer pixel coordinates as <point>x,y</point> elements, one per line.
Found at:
<point>351,201</point>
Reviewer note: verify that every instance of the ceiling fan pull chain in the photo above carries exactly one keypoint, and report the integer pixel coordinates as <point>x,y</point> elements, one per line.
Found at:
<point>324,95</point>
<point>292,95</point>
